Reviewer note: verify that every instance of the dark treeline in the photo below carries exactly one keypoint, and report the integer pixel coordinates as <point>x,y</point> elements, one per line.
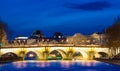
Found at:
<point>112,34</point>
<point>4,31</point>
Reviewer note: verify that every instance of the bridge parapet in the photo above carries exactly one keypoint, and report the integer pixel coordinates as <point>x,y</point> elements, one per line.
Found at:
<point>50,45</point>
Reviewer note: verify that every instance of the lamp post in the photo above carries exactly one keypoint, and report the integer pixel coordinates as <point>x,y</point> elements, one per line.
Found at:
<point>100,38</point>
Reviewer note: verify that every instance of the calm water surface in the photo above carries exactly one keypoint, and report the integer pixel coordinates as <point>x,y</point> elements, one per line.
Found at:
<point>83,65</point>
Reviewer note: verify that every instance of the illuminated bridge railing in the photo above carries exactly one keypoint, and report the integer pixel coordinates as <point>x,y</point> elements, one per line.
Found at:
<point>51,45</point>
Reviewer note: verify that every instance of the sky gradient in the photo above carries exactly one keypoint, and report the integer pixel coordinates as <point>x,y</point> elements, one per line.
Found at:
<point>66,16</point>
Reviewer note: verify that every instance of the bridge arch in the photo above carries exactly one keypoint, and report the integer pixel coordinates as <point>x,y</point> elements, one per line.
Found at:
<point>38,54</point>
<point>77,55</point>
<point>102,55</point>
<point>31,55</point>
<point>9,54</point>
<point>83,54</point>
<point>38,51</point>
<point>58,53</point>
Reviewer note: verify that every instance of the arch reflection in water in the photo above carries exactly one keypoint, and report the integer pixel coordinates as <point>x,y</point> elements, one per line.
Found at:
<point>102,55</point>
<point>31,56</point>
<point>9,54</point>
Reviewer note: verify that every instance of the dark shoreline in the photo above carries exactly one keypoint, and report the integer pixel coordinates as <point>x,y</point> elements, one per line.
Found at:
<point>111,61</point>
<point>4,60</point>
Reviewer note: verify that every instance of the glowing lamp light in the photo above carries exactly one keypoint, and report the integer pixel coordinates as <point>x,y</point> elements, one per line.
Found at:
<point>59,36</point>
<point>49,57</point>
<point>31,55</point>
<point>59,58</point>
<point>97,55</point>
<point>0,44</point>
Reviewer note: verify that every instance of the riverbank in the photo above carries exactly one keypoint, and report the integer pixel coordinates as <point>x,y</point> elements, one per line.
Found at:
<point>111,61</point>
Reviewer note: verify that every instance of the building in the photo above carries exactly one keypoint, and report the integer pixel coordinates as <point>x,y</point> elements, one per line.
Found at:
<point>77,39</point>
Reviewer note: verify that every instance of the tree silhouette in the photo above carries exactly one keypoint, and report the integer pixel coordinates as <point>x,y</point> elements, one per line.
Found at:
<point>3,30</point>
<point>112,36</point>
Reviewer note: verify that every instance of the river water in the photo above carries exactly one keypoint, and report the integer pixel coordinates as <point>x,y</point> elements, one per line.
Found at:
<point>82,65</point>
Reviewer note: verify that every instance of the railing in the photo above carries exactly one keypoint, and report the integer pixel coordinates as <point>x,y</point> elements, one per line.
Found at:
<point>51,45</point>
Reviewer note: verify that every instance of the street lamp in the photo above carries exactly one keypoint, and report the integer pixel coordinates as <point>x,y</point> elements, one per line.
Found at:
<point>100,38</point>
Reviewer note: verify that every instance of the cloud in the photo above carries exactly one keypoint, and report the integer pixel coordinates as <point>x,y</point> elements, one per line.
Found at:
<point>92,6</point>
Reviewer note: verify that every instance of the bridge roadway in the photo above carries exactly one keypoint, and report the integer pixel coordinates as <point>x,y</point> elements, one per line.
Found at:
<point>66,51</point>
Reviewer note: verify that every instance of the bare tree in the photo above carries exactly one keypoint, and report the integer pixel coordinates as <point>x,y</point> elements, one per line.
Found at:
<point>112,37</point>
<point>3,28</point>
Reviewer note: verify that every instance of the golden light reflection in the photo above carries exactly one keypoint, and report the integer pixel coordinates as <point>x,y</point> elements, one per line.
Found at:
<point>97,55</point>
<point>20,64</point>
<point>31,55</point>
<point>42,64</point>
<point>66,64</point>
<point>86,62</point>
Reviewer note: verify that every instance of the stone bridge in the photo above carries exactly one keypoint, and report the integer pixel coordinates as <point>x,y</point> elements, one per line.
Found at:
<point>58,52</point>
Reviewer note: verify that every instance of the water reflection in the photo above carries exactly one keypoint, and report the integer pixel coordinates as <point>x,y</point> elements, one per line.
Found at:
<point>66,64</point>
<point>20,64</point>
<point>83,65</point>
<point>43,64</point>
<point>1,65</point>
<point>87,63</point>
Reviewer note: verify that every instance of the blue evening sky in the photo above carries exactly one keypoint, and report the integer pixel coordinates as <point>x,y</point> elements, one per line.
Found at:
<point>66,16</point>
